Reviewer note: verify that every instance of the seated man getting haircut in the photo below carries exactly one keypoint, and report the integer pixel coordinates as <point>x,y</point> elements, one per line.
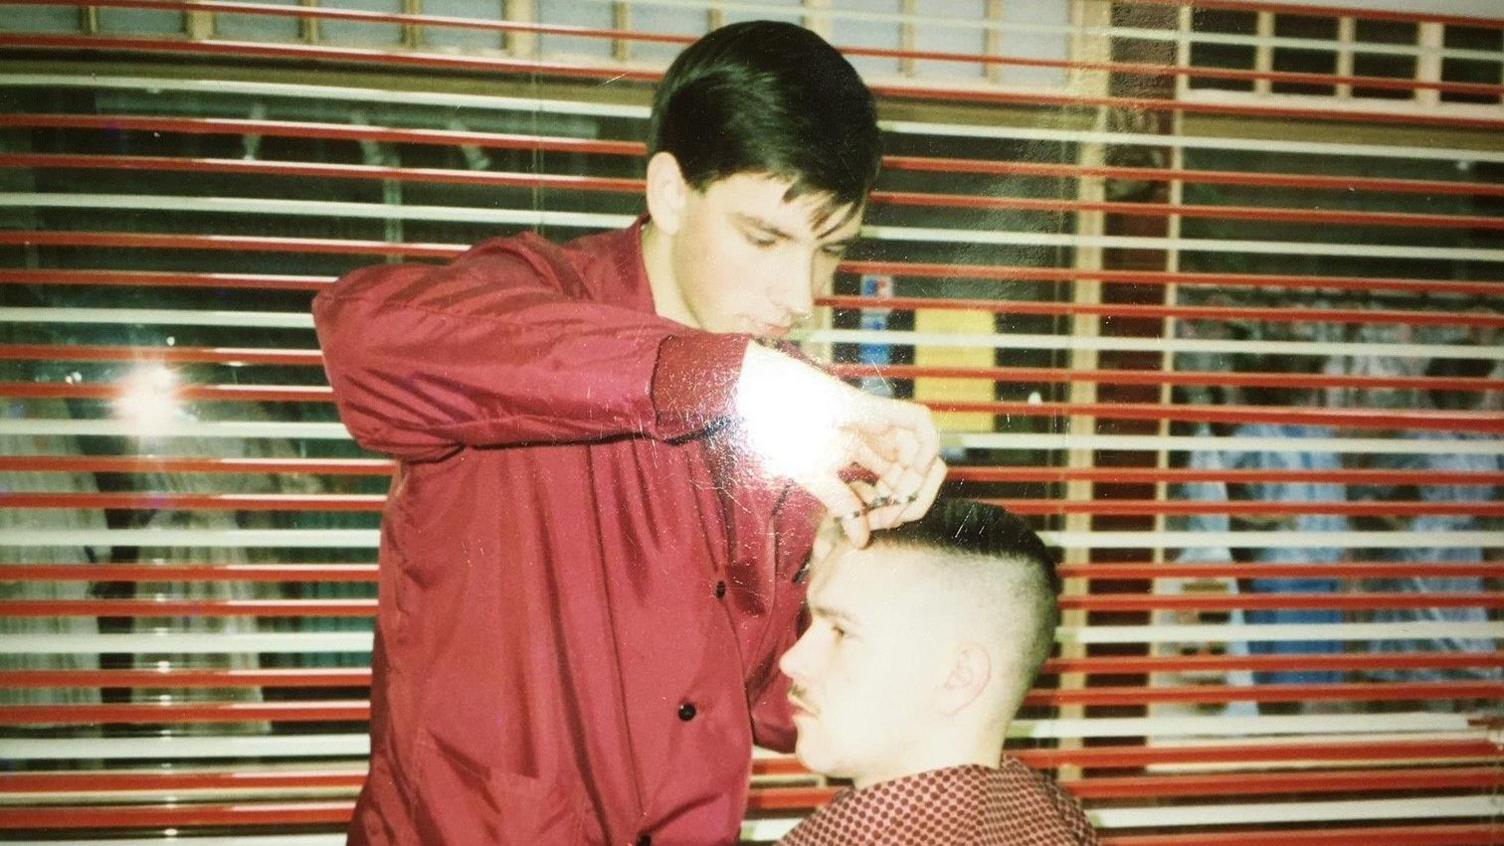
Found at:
<point>920,649</point>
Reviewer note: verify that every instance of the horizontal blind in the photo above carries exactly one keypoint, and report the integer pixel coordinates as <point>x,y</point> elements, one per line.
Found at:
<point>1207,291</point>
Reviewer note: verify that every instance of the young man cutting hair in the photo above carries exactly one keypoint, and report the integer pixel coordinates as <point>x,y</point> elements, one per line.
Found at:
<point>607,487</point>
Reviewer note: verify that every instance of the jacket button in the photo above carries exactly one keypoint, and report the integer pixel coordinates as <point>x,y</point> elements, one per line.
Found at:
<point>687,711</point>
<point>720,589</point>
<point>645,840</point>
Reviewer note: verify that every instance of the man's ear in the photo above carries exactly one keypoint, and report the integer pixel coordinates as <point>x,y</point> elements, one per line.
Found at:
<point>667,192</point>
<point>971,670</point>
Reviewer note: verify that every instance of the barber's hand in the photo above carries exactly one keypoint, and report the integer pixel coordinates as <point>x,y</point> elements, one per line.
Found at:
<point>811,427</point>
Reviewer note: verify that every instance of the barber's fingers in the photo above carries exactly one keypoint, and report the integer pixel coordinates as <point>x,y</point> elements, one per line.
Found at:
<point>913,445</point>
<point>911,502</point>
<point>925,496</point>
<point>844,505</point>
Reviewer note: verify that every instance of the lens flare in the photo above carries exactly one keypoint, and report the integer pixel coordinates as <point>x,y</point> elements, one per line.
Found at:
<point>148,400</point>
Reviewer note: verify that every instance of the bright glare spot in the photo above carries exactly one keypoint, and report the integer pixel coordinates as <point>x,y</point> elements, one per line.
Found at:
<point>172,340</point>
<point>788,444</point>
<point>147,400</point>
<point>1035,398</point>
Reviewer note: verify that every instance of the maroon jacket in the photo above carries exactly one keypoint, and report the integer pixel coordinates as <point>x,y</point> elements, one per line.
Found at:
<point>1009,805</point>
<point>584,586</point>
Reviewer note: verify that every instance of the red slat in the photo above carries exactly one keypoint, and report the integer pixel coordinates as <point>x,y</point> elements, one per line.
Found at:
<point>1220,694</point>
<point>162,464</point>
<point>169,355</point>
<point>197,393</point>
<point>323,170</point>
<point>323,53</point>
<point>198,502</point>
<point>1273,315</point>
<point>1358,418</point>
<point>1141,756</point>
<point>1147,475</point>
<point>184,678</point>
<point>1217,212</point>
<point>159,279</point>
<point>1228,602</point>
<point>238,243</point>
<point>927,270</point>
<point>1340,570</point>
<point>174,816</point>
<point>1128,665</point>
<point>127,780</point>
<point>1304,782</point>
<point>189,572</point>
<point>362,608</point>
<point>1386,508</point>
<point>1207,177</point>
<point>1123,756</point>
<point>1138,787</point>
<point>195,712</point>
<point>1157,377</point>
<point>330,131</point>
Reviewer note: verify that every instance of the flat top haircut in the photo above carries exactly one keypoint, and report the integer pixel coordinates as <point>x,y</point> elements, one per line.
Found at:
<point>998,564</point>
<point>770,98</point>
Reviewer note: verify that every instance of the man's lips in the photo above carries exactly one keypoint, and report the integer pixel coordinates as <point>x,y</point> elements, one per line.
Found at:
<point>777,325</point>
<point>799,706</point>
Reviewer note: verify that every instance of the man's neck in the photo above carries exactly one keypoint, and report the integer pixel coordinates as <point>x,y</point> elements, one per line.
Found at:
<point>940,754</point>
<point>668,299</point>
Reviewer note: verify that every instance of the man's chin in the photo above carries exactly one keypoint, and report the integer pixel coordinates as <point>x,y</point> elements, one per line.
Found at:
<point>812,757</point>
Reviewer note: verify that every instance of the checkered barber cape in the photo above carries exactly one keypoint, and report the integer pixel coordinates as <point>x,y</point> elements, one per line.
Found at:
<point>957,806</point>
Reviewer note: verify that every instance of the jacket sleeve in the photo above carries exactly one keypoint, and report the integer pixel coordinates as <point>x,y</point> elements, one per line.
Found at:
<point>502,347</point>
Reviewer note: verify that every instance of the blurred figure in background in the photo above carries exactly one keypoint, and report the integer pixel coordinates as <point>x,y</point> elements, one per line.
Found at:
<point>1263,457</point>
<point>1462,495</point>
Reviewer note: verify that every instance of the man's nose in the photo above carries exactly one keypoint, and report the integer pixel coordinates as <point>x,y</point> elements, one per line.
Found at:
<point>795,289</point>
<point>792,662</point>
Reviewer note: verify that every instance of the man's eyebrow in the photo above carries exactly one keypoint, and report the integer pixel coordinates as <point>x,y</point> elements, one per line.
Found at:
<point>759,223</point>
<point>828,612</point>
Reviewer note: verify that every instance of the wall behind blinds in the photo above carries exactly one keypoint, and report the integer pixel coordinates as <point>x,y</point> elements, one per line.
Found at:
<point>1212,293</point>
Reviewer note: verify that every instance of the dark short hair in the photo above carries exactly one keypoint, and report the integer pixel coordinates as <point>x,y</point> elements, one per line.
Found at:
<point>978,531</point>
<point>770,98</point>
